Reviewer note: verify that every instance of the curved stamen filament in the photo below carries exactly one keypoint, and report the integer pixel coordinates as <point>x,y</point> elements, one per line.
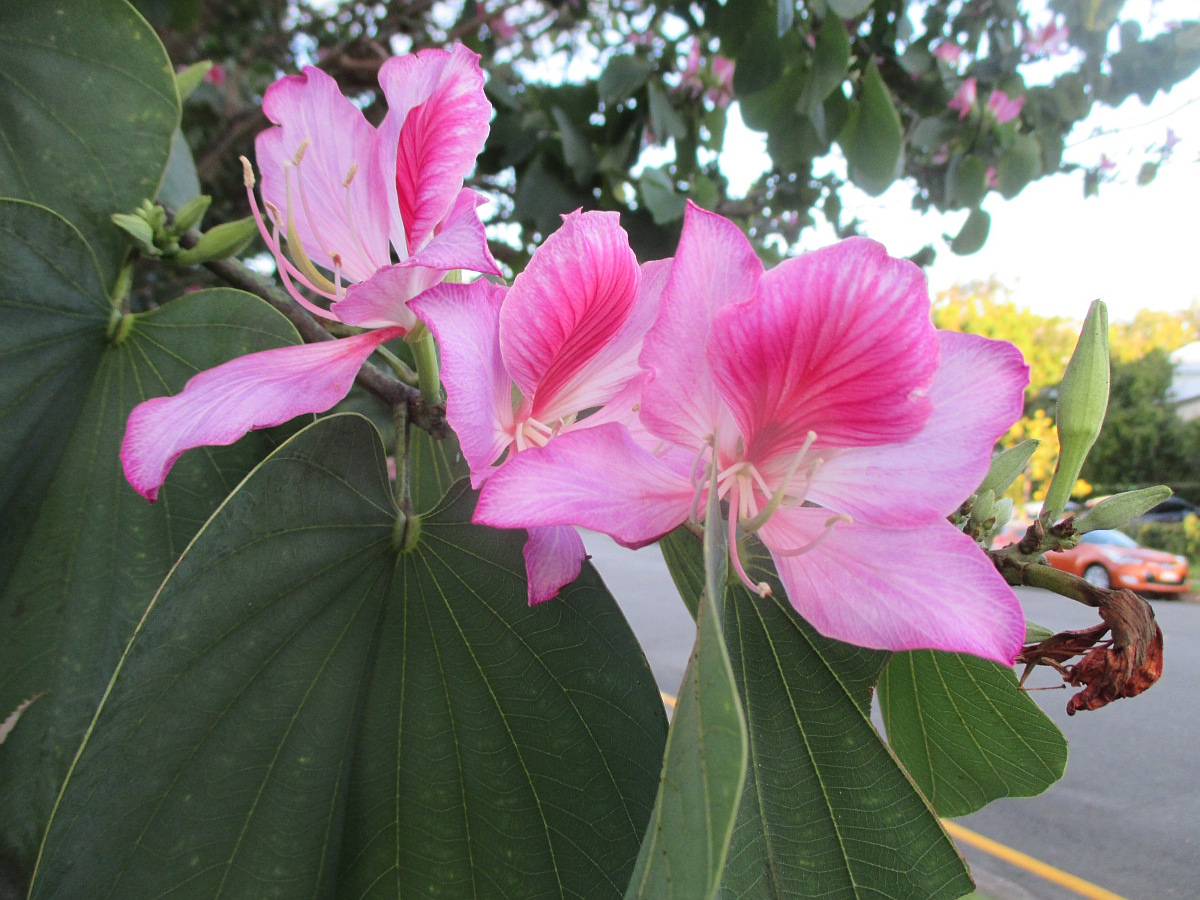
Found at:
<point>283,269</point>
<point>281,259</point>
<point>752,525</point>
<point>761,587</point>
<point>295,245</point>
<point>829,525</point>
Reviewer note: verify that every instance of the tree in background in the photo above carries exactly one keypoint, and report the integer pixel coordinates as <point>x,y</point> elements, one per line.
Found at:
<point>961,99</point>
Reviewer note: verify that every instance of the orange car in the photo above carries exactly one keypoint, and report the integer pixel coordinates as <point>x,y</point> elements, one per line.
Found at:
<point>1113,559</point>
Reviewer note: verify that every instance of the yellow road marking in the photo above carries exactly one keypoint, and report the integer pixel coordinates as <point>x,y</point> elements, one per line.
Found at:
<point>1029,864</point>
<point>1001,851</point>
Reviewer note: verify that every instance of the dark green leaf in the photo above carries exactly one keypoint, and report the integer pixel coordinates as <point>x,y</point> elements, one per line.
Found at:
<point>973,235</point>
<point>1147,173</point>
<point>88,106</point>
<point>966,182</point>
<point>180,184</point>
<point>849,9</point>
<point>665,120</point>
<point>785,14</point>
<point>1020,164</point>
<point>760,61</point>
<point>577,149</point>
<point>623,77</point>
<point>872,138</point>
<point>686,844</point>
<point>831,59</point>
<point>303,712</point>
<point>658,193</point>
<point>827,811</point>
<point>76,577</point>
<point>966,733</point>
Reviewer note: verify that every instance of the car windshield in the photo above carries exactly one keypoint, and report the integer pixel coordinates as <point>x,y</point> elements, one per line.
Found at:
<point>1112,538</point>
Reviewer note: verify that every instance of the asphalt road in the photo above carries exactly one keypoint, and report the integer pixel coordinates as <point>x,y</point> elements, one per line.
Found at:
<point>1126,817</point>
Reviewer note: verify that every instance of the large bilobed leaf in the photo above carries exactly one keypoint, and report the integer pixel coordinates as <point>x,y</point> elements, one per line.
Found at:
<point>85,552</point>
<point>827,810</point>
<point>704,769</point>
<point>303,712</point>
<point>966,733</point>
<point>88,107</point>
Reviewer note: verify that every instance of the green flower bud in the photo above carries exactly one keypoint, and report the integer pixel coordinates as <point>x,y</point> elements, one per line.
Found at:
<point>189,79</point>
<point>1082,403</point>
<point>191,214</point>
<point>1117,510</point>
<point>139,229</point>
<point>220,242</point>
<point>1006,466</point>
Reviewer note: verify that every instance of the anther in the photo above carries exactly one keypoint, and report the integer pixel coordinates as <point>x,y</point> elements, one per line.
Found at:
<point>350,175</point>
<point>300,151</point>
<point>247,173</point>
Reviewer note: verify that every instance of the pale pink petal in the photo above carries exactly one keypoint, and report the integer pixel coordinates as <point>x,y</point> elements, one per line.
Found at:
<point>977,394</point>
<point>331,217</point>
<point>220,405</point>
<point>479,404</point>
<point>714,266</point>
<point>607,377</point>
<point>553,559</point>
<point>460,241</point>
<point>596,478</point>
<point>382,300</point>
<point>838,342</point>
<point>572,299</point>
<point>896,589</point>
<point>436,125</point>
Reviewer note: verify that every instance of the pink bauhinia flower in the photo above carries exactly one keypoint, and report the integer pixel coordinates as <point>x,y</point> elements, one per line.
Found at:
<point>564,340</point>
<point>964,98</point>
<point>949,53</point>
<point>347,196</point>
<point>715,86</point>
<point>1003,107</point>
<point>842,429</point>
<point>1050,39</point>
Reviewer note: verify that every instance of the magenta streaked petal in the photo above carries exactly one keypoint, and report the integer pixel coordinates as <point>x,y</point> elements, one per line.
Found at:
<point>460,241</point>
<point>607,377</point>
<point>436,125</point>
<point>977,394</point>
<point>572,299</point>
<point>351,221</point>
<point>553,559</point>
<point>479,405</point>
<point>838,342</point>
<point>382,300</point>
<point>220,405</point>
<point>571,481</point>
<point>897,589</point>
<point>714,266</point>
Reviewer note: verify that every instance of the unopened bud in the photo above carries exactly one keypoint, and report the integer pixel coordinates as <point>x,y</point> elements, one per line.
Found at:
<point>1119,509</point>
<point>191,214</point>
<point>189,79</point>
<point>1082,403</point>
<point>1007,465</point>
<point>139,229</point>
<point>220,242</point>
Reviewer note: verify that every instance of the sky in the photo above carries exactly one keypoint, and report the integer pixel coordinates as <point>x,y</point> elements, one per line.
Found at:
<point>1133,247</point>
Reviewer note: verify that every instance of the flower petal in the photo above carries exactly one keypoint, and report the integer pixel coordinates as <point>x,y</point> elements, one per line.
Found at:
<point>479,405</point>
<point>553,559</point>
<point>572,299</point>
<point>713,267</point>
<point>220,405</point>
<point>570,482</point>
<point>838,342</point>
<point>436,125</point>
<point>896,589</point>
<point>330,217</point>
<point>977,394</point>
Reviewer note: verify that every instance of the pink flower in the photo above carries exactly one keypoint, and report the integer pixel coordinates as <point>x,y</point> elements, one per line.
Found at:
<point>1170,143</point>
<point>1050,39</point>
<point>842,429</point>
<point>564,339</point>
<point>216,75</point>
<point>348,197</point>
<point>1004,108</point>
<point>1106,165</point>
<point>722,93</point>
<point>715,85</point>
<point>949,53</point>
<point>992,180</point>
<point>964,98</point>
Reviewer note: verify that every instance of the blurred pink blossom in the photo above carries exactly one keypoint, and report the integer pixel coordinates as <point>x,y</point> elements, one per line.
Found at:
<point>715,84</point>
<point>1050,39</point>
<point>964,98</point>
<point>1003,107</point>
<point>1106,165</point>
<point>1170,142</point>
<point>949,53</point>
<point>992,180</point>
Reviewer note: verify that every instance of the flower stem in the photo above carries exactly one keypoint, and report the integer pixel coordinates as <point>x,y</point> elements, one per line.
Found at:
<point>403,477</point>
<point>425,353</point>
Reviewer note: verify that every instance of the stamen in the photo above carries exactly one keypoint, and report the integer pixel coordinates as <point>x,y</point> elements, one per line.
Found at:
<point>350,213</point>
<point>799,551</point>
<point>295,246</point>
<point>300,151</point>
<point>695,473</point>
<point>761,588</point>
<point>284,275</point>
<point>350,175</point>
<point>752,525</point>
<point>281,258</point>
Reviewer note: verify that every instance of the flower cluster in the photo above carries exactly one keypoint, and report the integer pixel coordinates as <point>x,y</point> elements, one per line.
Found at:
<point>836,424</point>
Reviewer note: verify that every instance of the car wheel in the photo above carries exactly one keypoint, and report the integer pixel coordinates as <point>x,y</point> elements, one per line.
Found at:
<point>1097,575</point>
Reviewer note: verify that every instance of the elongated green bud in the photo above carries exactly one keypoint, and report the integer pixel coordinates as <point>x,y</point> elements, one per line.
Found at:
<point>191,214</point>
<point>189,79</point>
<point>1007,466</point>
<point>139,229</point>
<point>1082,403</point>
<point>220,242</point>
<point>1119,509</point>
